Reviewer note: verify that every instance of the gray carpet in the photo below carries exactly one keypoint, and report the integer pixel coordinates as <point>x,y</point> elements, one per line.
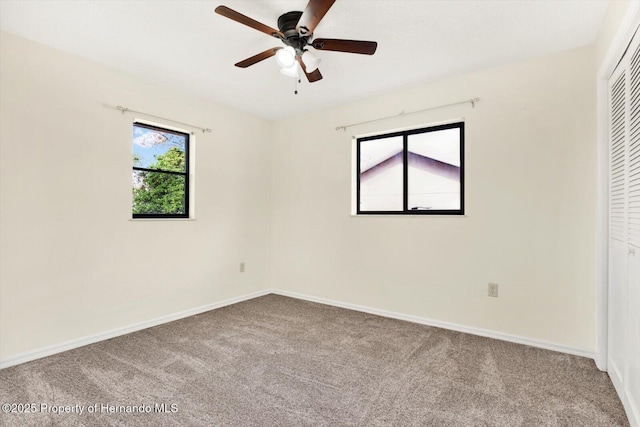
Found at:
<point>281,361</point>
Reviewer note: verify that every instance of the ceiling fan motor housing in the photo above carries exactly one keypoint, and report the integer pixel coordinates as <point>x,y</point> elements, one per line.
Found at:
<point>287,25</point>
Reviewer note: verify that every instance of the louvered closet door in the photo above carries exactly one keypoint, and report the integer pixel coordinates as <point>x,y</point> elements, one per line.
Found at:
<point>633,183</point>
<point>634,146</point>
<point>618,264</point>
<point>624,227</point>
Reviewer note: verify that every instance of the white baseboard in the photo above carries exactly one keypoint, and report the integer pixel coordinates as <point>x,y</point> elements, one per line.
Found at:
<point>633,412</point>
<point>69,345</point>
<point>101,336</point>
<point>444,325</point>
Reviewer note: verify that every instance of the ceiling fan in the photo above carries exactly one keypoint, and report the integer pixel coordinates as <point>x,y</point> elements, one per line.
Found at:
<point>295,30</point>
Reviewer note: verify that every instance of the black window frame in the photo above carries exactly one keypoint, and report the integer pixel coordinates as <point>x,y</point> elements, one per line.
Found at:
<point>185,173</point>
<point>405,171</point>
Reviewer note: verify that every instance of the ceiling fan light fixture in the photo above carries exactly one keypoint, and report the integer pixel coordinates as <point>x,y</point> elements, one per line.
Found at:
<point>291,71</point>
<point>310,61</point>
<point>286,57</point>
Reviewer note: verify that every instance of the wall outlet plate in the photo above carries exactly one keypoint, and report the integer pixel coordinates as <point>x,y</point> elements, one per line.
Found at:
<point>493,290</point>
<point>242,267</point>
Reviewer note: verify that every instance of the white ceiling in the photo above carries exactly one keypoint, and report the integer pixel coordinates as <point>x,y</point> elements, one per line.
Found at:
<point>186,45</point>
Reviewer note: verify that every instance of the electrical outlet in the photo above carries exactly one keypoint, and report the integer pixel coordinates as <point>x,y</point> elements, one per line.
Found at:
<point>242,267</point>
<point>493,290</point>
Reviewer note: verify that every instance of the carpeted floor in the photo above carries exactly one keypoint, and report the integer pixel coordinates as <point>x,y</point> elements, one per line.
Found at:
<point>277,361</point>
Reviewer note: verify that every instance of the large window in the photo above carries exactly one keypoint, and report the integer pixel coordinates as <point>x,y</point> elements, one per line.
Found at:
<point>160,172</point>
<point>414,172</point>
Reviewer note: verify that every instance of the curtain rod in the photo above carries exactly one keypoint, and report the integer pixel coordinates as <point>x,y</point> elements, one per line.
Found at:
<point>125,109</point>
<point>402,113</point>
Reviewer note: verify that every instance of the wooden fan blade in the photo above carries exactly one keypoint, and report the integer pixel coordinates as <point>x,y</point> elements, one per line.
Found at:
<point>313,76</point>
<point>257,58</point>
<point>238,17</point>
<point>312,15</point>
<point>351,46</point>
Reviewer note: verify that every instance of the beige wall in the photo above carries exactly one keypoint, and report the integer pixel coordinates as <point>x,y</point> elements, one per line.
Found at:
<point>530,202</point>
<point>71,262</point>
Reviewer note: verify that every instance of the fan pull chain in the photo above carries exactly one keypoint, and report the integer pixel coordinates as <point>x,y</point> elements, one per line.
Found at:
<point>295,90</point>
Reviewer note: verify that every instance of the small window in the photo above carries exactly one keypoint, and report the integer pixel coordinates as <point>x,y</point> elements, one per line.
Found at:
<point>414,172</point>
<point>160,172</point>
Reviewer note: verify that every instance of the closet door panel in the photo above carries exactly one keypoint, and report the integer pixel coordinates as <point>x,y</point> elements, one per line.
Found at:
<point>633,149</point>
<point>633,238</point>
<point>618,229</point>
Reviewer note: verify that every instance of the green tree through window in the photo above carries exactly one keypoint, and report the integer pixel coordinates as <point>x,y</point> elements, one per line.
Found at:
<point>160,172</point>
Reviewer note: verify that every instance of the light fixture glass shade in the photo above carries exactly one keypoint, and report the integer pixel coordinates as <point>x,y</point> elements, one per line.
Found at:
<point>286,57</point>
<point>291,71</point>
<point>310,61</point>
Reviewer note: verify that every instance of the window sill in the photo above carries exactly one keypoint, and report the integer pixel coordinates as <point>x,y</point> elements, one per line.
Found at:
<point>160,219</point>
<point>407,216</point>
